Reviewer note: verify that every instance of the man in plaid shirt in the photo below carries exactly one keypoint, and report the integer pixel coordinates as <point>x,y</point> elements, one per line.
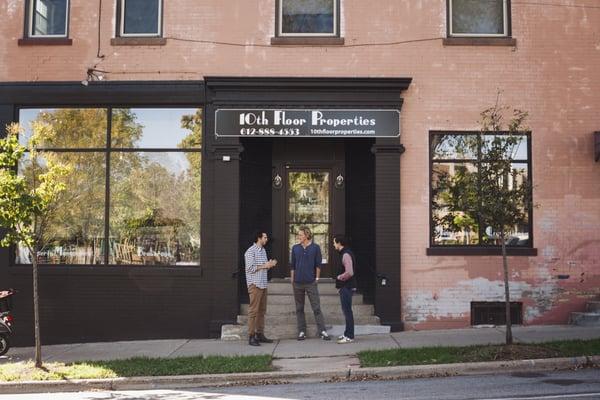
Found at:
<point>257,266</point>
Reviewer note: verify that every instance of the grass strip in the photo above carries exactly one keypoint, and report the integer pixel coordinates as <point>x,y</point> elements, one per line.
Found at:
<point>449,355</point>
<point>139,366</point>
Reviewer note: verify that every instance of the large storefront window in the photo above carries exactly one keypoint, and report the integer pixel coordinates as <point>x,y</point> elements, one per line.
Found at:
<point>133,193</point>
<point>455,161</point>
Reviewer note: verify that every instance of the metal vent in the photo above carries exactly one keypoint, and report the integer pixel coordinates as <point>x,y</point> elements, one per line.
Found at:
<point>493,313</point>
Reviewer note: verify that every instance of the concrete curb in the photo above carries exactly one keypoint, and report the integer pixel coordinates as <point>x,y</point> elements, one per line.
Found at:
<point>277,377</point>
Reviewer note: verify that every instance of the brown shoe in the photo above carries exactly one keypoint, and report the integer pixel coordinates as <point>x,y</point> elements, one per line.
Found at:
<point>253,341</point>
<point>262,338</point>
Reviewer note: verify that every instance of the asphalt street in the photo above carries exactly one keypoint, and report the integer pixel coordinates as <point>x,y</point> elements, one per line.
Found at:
<point>582,384</point>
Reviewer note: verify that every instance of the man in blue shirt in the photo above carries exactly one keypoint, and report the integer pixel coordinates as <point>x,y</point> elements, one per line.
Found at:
<point>305,271</point>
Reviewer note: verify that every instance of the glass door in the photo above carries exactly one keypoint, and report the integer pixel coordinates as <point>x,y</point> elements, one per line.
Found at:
<point>308,204</point>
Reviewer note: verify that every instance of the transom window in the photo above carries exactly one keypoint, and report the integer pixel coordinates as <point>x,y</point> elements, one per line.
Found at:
<point>455,161</point>
<point>479,17</point>
<point>308,17</point>
<point>140,18</point>
<point>48,18</point>
<point>132,194</point>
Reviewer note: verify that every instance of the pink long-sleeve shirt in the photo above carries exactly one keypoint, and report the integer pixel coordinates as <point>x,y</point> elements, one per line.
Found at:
<point>348,268</point>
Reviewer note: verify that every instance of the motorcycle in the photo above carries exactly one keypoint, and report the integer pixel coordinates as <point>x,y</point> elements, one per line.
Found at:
<point>6,319</point>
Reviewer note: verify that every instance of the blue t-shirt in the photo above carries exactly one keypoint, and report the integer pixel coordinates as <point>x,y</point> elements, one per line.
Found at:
<point>305,261</point>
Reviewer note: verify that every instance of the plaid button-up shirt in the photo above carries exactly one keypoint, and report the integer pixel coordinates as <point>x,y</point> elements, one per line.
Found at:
<point>254,257</point>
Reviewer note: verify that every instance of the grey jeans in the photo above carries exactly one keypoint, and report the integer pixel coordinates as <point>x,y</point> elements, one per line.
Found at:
<point>310,289</point>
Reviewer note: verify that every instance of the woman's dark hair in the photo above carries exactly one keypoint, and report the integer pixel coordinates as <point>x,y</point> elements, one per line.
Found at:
<point>341,239</point>
<point>258,235</point>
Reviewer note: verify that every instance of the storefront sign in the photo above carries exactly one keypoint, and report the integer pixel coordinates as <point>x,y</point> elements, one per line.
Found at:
<point>307,123</point>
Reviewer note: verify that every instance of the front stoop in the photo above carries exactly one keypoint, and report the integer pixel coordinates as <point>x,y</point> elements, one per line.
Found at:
<point>280,322</point>
<point>591,317</point>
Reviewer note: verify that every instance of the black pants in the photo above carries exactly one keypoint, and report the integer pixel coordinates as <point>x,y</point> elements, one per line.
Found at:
<point>346,300</point>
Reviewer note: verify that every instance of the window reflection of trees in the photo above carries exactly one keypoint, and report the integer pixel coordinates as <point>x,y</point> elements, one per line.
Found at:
<point>308,197</point>
<point>154,207</point>
<point>454,189</point>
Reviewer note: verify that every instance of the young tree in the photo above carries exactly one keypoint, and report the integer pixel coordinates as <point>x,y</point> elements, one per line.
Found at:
<point>504,191</point>
<point>495,194</point>
<point>26,199</point>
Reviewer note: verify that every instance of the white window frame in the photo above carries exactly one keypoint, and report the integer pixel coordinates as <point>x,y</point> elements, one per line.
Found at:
<point>122,23</point>
<point>450,28</point>
<point>32,34</point>
<point>336,16</point>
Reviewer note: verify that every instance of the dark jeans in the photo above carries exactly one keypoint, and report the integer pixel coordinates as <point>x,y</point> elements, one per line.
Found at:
<point>301,290</point>
<point>346,300</point>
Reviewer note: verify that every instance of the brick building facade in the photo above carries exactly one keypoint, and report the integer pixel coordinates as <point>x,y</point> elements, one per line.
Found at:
<point>438,62</point>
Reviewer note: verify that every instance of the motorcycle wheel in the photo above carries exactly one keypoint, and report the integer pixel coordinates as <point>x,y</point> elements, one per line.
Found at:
<point>4,344</point>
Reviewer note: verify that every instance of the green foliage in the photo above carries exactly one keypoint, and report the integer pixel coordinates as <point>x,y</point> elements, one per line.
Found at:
<point>141,366</point>
<point>186,365</point>
<point>447,355</point>
<point>193,123</point>
<point>491,193</point>
<point>23,202</point>
<point>505,193</point>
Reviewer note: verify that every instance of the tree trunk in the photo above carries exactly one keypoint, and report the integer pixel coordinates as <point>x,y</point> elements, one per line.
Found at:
<point>509,337</point>
<point>36,310</point>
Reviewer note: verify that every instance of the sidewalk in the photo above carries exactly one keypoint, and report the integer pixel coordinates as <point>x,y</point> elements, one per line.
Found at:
<point>312,360</point>
<point>293,349</point>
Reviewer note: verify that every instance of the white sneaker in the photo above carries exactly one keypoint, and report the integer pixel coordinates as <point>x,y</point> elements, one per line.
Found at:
<point>341,337</point>
<point>324,335</point>
<point>301,336</point>
<point>344,340</point>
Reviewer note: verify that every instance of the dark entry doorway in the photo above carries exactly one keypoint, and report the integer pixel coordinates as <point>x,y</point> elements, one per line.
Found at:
<point>326,184</point>
<point>307,196</point>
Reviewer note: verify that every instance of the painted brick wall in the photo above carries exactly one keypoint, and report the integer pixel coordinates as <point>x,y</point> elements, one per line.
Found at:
<point>553,72</point>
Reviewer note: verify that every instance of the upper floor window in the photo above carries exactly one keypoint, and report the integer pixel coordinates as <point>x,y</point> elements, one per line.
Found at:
<point>48,18</point>
<point>140,17</point>
<point>308,18</point>
<point>479,18</point>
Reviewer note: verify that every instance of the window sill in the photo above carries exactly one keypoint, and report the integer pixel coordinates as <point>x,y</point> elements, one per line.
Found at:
<point>480,41</point>
<point>45,42</point>
<point>481,251</point>
<point>138,41</point>
<point>307,41</point>
<point>100,269</point>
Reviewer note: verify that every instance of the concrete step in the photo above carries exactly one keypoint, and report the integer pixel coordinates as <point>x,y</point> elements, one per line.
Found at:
<point>290,309</point>
<point>325,288</point>
<point>330,319</point>
<point>274,299</point>
<point>593,306</point>
<point>585,319</point>
<point>240,332</point>
<point>281,315</point>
